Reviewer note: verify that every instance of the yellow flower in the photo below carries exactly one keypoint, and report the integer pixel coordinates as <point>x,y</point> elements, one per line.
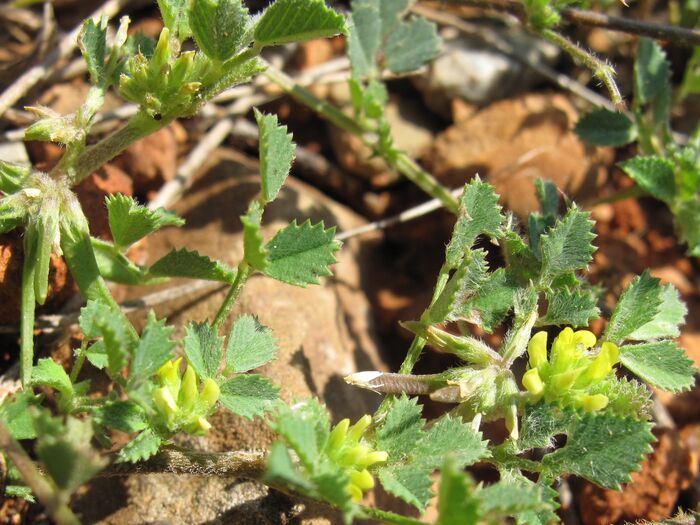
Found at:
<point>573,367</point>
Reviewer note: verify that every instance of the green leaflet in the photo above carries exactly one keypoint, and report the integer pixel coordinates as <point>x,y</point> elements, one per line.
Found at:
<point>566,307</point>
<point>142,447</point>
<point>248,395</point>
<point>299,255</point>
<point>192,265</point>
<point>288,21</point>
<point>652,71</point>
<point>203,348</point>
<point>276,155</point>
<point>654,175</point>
<point>93,45</point>
<point>566,247</point>
<point>663,364</point>
<point>219,27</point>
<point>48,372</point>
<point>603,127</point>
<point>130,222</point>
<point>154,348</point>
<point>638,305</point>
<point>250,345</point>
<point>254,250</point>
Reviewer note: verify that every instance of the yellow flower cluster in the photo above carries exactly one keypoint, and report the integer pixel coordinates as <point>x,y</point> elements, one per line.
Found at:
<point>573,367</point>
<point>179,401</point>
<point>345,449</point>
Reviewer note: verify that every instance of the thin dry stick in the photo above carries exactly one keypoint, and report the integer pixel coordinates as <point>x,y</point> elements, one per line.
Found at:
<point>678,35</point>
<point>493,39</point>
<point>405,216</point>
<point>65,47</point>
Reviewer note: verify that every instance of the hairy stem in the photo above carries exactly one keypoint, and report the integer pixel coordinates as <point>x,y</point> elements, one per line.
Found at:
<point>403,163</point>
<point>603,71</point>
<point>244,271</point>
<point>94,157</point>
<point>390,517</point>
<point>41,488</point>
<point>28,309</point>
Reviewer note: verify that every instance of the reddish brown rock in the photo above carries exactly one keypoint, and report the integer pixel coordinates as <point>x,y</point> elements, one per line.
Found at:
<point>515,141</point>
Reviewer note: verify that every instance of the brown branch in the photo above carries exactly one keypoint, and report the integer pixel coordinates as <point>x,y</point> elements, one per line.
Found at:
<point>238,464</point>
<point>678,35</point>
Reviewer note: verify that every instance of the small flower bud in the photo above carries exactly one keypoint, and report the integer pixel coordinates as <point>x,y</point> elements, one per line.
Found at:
<point>512,422</point>
<point>355,431</point>
<point>376,456</point>
<point>337,435</point>
<point>188,389</point>
<point>362,479</point>
<point>210,394</point>
<point>594,402</point>
<point>585,337</point>
<point>165,402</point>
<point>355,492</point>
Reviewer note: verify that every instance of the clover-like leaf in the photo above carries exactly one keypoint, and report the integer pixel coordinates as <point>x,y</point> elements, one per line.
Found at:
<point>248,395</point>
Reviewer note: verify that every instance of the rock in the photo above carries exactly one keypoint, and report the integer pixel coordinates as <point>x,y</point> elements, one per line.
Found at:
<point>515,141</point>
<point>313,53</point>
<point>323,333</point>
<point>475,72</point>
<point>413,131</point>
<point>653,492</point>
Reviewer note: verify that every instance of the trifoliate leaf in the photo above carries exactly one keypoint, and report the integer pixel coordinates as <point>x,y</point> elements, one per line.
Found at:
<point>142,447</point>
<point>402,428</point>
<point>688,225</point>
<point>305,427</point>
<point>48,372</point>
<point>192,265</point>
<point>254,250</point>
<point>479,213</point>
<point>66,452</point>
<point>449,437</point>
<point>603,449</point>
<point>15,414</point>
<point>116,267</point>
<point>667,320</point>
<point>12,176</point>
<point>638,305</point>
<point>154,348</point>
<point>654,175</point>
<point>299,255</point>
<point>652,72</point>
<point>566,307</point>
<point>126,416</point>
<point>411,45</point>
<point>93,45</point>
<point>175,17</point>
<point>603,127</point>
<point>248,395</point>
<point>464,284</point>
<point>456,503</point>
<point>663,364</point>
<point>409,483</point>
<point>250,345</point>
<point>288,21</point>
<point>203,348</point>
<point>130,222</point>
<point>98,320</point>
<point>276,155</point>
<point>219,27</point>
<point>567,246</point>
<point>379,26</point>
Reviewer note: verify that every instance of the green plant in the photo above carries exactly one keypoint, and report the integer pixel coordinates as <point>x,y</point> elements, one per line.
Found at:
<point>664,168</point>
<point>573,391</point>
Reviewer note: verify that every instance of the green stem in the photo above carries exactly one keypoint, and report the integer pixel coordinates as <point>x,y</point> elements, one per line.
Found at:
<point>79,361</point>
<point>244,271</point>
<point>390,517</point>
<point>80,257</point>
<point>403,163</point>
<point>603,71</point>
<point>28,308</point>
<point>627,193</point>
<point>31,475</point>
<point>94,157</point>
